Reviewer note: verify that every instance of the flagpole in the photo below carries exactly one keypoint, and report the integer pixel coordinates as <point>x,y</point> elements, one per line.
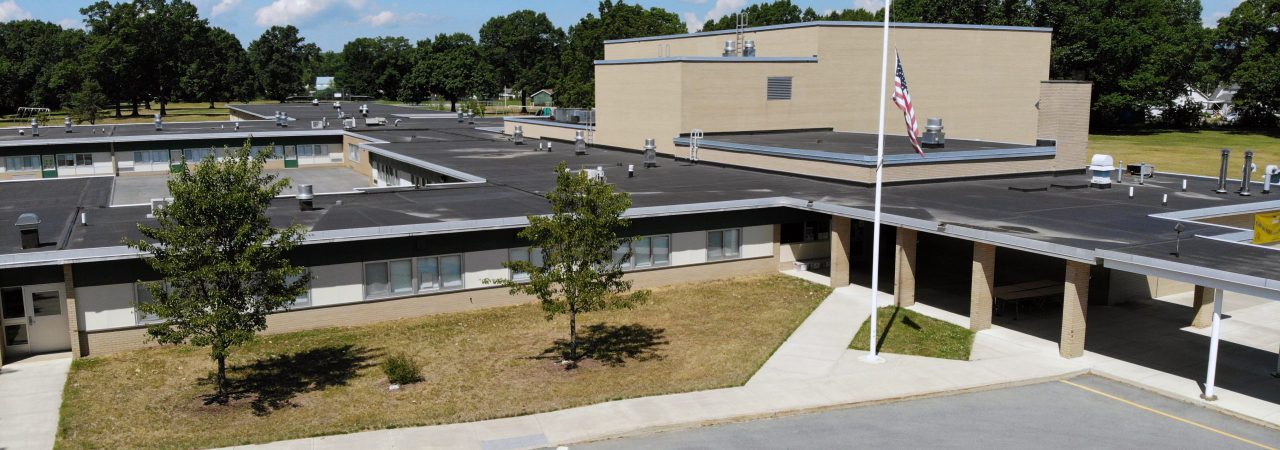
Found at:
<point>874,356</point>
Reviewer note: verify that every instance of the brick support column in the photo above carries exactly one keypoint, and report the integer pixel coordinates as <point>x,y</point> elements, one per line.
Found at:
<point>777,246</point>
<point>1075,306</point>
<point>73,317</point>
<point>904,279</point>
<point>983,286</point>
<point>841,237</point>
<point>1203,306</point>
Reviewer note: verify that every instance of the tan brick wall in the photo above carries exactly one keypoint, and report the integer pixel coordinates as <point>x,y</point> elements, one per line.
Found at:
<point>1075,307</point>
<point>73,317</point>
<point>982,287</point>
<point>841,260</point>
<point>536,131</point>
<point>904,280</point>
<point>1202,304</point>
<point>362,166</point>
<point>1064,117</point>
<point>363,313</point>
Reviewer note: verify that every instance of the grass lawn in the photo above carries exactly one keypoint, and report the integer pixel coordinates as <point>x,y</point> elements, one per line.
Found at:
<point>1190,152</point>
<point>177,112</point>
<point>476,365</point>
<point>907,332</point>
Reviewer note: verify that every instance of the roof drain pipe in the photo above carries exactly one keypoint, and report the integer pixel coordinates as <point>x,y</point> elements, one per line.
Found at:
<point>1222,173</point>
<point>1248,173</point>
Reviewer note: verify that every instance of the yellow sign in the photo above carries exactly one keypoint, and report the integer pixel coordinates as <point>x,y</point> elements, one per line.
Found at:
<point>1266,228</point>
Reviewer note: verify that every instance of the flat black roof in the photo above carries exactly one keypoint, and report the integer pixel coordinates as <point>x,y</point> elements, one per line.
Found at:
<point>1039,210</point>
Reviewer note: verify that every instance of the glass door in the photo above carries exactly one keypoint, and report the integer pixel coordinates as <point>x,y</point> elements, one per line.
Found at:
<point>13,308</point>
<point>48,166</point>
<point>290,157</point>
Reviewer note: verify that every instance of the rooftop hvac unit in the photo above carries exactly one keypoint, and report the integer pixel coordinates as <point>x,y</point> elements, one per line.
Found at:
<point>650,153</point>
<point>375,121</point>
<point>749,48</point>
<point>337,104</point>
<point>596,174</point>
<point>348,124</point>
<point>933,136</point>
<point>1101,168</point>
<point>317,124</point>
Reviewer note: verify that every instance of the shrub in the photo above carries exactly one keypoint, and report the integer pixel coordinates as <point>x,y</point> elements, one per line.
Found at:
<point>401,369</point>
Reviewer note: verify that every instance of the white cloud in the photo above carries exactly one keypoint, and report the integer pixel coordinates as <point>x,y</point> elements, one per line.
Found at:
<point>9,10</point>
<point>720,9</point>
<point>71,24</point>
<point>869,5</point>
<point>285,12</point>
<point>390,19</point>
<point>223,7</point>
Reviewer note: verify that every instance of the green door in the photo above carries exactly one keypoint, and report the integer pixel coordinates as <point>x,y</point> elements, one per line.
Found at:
<point>290,157</point>
<point>175,161</point>
<point>48,167</point>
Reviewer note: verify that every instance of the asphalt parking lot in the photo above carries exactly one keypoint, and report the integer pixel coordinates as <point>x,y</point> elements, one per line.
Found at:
<point>1083,412</point>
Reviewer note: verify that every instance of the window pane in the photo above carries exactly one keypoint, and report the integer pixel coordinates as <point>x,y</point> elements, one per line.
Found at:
<point>143,296</point>
<point>731,243</point>
<point>11,300</point>
<point>642,255</point>
<point>518,254</point>
<point>661,250</point>
<point>620,253</point>
<point>160,156</point>
<point>401,277</point>
<point>536,254</point>
<point>713,244</point>
<point>142,157</point>
<point>428,274</point>
<point>375,279</point>
<point>451,271</point>
<point>46,303</point>
<point>304,299</point>
<point>15,334</point>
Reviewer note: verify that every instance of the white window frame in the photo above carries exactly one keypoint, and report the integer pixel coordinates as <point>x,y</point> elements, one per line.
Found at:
<point>631,263</point>
<point>304,300</point>
<point>529,253</point>
<point>139,317</point>
<point>8,167</point>
<point>415,287</point>
<point>353,152</point>
<point>737,251</point>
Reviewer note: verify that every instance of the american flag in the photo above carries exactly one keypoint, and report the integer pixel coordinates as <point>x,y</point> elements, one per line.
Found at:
<point>902,98</point>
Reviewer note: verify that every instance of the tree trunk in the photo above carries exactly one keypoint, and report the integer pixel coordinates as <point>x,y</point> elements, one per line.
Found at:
<point>135,108</point>
<point>453,106</point>
<point>164,111</point>
<point>222,375</point>
<point>523,103</point>
<point>573,336</point>
<point>118,113</point>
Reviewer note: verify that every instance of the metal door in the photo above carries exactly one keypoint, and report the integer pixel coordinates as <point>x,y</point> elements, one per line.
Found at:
<point>48,166</point>
<point>290,157</point>
<point>35,319</point>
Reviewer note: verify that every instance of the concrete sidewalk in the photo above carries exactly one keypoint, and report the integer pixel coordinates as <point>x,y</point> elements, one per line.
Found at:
<point>30,396</point>
<point>812,369</point>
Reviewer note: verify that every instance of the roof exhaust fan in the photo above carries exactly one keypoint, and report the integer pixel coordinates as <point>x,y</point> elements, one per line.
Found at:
<point>730,48</point>
<point>650,153</point>
<point>1101,167</point>
<point>518,136</point>
<point>29,227</point>
<point>159,123</point>
<point>35,127</point>
<point>749,48</point>
<point>66,123</point>
<point>305,197</point>
<point>933,136</point>
<point>579,145</point>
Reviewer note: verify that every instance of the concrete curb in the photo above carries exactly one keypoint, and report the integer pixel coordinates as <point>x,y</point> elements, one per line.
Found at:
<point>1175,396</point>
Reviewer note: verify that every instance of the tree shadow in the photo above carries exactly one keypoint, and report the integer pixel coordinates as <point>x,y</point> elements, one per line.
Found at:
<point>613,345</point>
<point>272,383</point>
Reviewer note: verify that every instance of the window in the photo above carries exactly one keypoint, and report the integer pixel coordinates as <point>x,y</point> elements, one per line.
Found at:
<point>66,160</point>
<point>84,159</point>
<point>778,88</point>
<point>819,230</point>
<point>22,163</point>
<point>48,303</point>
<point>151,156</point>
<point>197,154</point>
<point>528,254</point>
<point>723,244</point>
<point>353,152</point>
<point>408,276</point>
<point>646,251</point>
<point>303,299</point>
<point>143,295</point>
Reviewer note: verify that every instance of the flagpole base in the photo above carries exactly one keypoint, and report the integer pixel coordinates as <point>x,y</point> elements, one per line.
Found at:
<point>872,359</point>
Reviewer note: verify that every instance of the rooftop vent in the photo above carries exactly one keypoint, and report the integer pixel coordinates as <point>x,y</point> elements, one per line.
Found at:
<point>348,124</point>
<point>461,116</point>
<point>159,123</point>
<point>579,144</point>
<point>35,127</point>
<point>305,197</point>
<point>337,104</point>
<point>596,174</point>
<point>1270,176</point>
<point>157,204</point>
<point>518,136</point>
<point>650,153</point>
<point>730,48</point>
<point>66,123</point>
<point>933,136</point>
<point>364,110</point>
<point>1101,168</point>
<point>1248,173</point>
<point>315,102</point>
<point>749,48</point>
<point>1222,173</point>
<point>29,227</point>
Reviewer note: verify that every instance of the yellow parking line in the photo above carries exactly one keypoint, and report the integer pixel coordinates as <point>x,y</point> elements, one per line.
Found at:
<point>1171,416</point>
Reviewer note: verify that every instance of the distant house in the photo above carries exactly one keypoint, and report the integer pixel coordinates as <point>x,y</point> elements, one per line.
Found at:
<point>507,94</point>
<point>1217,103</point>
<point>324,83</point>
<point>543,97</point>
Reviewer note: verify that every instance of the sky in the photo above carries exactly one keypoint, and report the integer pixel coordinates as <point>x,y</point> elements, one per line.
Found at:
<point>332,23</point>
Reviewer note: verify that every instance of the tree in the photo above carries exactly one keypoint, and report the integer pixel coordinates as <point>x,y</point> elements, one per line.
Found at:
<point>1247,52</point>
<point>416,87</point>
<point>760,14</point>
<point>277,60</point>
<point>224,266</point>
<point>457,71</point>
<point>579,273</point>
<point>87,103</point>
<point>33,55</point>
<point>523,48</point>
<point>375,66</point>
<point>585,45</point>
<point>220,71</point>
<point>115,51</point>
